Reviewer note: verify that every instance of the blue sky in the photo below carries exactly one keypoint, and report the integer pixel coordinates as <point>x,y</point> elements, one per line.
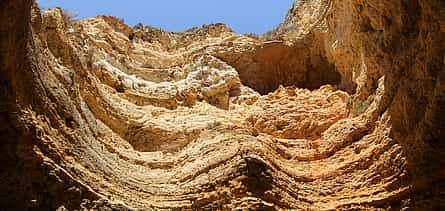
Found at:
<point>244,16</point>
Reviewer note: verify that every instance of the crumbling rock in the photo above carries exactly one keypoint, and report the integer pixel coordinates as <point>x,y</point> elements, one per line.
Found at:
<point>341,109</point>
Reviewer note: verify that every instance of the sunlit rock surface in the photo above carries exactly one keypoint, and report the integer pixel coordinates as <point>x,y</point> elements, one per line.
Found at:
<point>340,107</point>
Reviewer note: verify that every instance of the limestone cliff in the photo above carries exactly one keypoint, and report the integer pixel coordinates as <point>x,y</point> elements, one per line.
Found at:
<point>341,107</point>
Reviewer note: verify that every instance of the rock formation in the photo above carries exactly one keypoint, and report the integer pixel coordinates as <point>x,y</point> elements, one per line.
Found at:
<point>341,107</point>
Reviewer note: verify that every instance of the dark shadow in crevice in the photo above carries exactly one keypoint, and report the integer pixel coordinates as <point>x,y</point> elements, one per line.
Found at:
<point>273,64</point>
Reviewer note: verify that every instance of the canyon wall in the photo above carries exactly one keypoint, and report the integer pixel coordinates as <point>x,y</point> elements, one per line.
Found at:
<point>340,107</point>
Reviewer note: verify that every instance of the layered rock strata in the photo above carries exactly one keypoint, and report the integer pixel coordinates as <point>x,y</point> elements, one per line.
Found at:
<point>342,108</point>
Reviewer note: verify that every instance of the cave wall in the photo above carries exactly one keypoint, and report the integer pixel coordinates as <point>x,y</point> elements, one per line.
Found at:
<point>14,34</point>
<point>397,46</point>
<point>402,43</point>
<point>399,42</point>
<point>31,174</point>
<point>418,107</point>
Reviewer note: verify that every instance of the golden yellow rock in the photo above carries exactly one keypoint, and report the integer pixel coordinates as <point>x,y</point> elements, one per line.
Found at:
<point>339,108</point>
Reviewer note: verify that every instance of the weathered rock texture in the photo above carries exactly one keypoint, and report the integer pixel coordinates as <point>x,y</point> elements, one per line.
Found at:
<point>343,108</point>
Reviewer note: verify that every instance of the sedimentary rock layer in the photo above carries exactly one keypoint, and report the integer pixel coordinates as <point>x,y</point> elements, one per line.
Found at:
<point>341,108</point>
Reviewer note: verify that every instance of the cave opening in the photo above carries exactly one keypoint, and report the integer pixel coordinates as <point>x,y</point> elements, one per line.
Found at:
<point>275,63</point>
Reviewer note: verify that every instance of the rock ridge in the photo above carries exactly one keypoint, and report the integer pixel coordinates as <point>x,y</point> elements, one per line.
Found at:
<point>339,108</point>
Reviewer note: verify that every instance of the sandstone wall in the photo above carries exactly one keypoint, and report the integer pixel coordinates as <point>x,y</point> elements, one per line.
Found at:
<point>94,118</point>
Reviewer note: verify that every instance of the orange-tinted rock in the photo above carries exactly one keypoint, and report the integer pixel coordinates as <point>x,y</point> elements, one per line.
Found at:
<point>95,114</point>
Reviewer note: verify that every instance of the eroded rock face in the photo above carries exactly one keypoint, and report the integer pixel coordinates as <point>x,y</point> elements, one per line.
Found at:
<point>343,109</point>
<point>266,67</point>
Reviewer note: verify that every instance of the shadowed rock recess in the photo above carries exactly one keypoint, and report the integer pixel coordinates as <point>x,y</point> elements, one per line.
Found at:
<point>342,107</point>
